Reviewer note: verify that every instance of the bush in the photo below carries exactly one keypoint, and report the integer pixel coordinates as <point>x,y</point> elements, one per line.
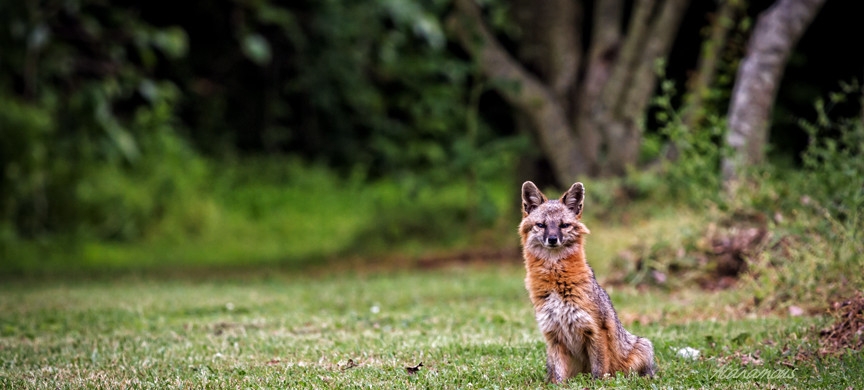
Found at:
<point>692,175</point>
<point>91,140</point>
<point>818,254</point>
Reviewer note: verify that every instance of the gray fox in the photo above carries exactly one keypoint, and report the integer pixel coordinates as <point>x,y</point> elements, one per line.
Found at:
<point>582,330</point>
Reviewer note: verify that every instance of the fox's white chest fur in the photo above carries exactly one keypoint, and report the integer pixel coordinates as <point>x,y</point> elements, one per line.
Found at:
<point>563,320</point>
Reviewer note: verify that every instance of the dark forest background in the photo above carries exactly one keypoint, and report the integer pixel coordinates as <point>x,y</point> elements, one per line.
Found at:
<point>248,131</point>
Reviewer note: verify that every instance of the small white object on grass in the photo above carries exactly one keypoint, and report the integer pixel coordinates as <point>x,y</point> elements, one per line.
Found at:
<point>687,353</point>
<point>375,309</point>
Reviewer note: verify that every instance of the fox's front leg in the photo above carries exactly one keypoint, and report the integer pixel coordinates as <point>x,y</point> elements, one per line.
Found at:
<point>598,350</point>
<point>558,362</point>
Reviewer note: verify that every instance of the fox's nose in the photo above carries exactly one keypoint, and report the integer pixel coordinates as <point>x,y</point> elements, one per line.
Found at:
<point>552,240</point>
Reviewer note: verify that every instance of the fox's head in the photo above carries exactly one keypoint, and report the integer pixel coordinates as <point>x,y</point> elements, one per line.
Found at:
<point>551,229</point>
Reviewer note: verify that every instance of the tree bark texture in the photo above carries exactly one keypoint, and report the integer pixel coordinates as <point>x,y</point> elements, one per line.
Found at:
<point>775,34</point>
<point>584,104</point>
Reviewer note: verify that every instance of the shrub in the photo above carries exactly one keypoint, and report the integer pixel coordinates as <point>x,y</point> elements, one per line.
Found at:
<point>818,256</point>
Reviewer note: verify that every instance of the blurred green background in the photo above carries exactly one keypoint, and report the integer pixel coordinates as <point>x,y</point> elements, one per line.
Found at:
<point>198,135</point>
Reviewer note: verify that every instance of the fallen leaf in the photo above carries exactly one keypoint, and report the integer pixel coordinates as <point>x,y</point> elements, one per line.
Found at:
<point>751,360</point>
<point>349,364</point>
<point>658,276</point>
<point>413,370</point>
<point>795,311</point>
<point>778,218</point>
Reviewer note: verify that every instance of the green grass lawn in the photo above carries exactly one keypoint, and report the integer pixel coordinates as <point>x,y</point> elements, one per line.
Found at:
<point>471,327</point>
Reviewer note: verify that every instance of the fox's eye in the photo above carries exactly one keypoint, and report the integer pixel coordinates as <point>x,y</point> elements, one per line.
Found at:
<point>565,225</point>
<point>540,225</point>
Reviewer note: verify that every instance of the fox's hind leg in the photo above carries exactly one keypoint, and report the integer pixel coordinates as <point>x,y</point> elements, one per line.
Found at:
<point>641,358</point>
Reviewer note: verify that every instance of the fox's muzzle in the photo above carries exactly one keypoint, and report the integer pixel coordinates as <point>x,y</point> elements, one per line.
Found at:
<point>552,235</point>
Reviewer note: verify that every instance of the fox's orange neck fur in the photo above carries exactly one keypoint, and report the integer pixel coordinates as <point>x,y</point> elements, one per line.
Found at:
<point>568,261</point>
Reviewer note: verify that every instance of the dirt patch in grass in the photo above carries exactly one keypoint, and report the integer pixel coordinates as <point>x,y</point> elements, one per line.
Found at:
<point>510,255</point>
<point>712,258</point>
<point>732,248</point>
<point>847,332</point>
<point>844,335</point>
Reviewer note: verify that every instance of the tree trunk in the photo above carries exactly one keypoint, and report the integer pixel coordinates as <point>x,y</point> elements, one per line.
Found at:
<point>548,47</point>
<point>602,56</point>
<point>776,32</point>
<point>549,42</point>
<point>624,99</point>
<point>531,96</point>
<point>579,105</point>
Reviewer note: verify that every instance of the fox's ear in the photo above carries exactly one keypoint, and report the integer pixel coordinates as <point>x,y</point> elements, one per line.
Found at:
<point>573,198</point>
<point>531,198</point>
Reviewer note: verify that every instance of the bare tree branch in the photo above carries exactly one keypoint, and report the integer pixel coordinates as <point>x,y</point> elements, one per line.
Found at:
<point>613,94</point>
<point>650,35</point>
<point>625,134</point>
<point>531,97</point>
<point>659,42</point>
<point>586,122</point>
<point>549,42</point>
<point>565,20</point>
<point>706,68</point>
<point>605,41</point>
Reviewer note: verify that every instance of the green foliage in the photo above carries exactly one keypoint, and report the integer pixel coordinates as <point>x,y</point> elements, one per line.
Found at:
<point>90,144</point>
<point>813,215</point>
<point>408,218</point>
<point>369,84</point>
<point>820,258</point>
<point>834,156</point>
<point>257,49</point>
<point>107,108</point>
<point>260,211</point>
<point>97,150</point>
<point>112,186</point>
<point>24,156</point>
<point>690,157</point>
